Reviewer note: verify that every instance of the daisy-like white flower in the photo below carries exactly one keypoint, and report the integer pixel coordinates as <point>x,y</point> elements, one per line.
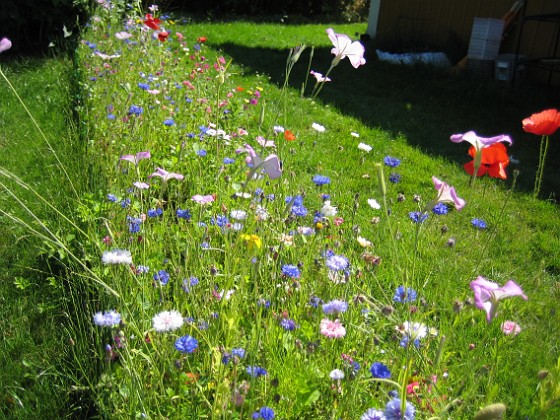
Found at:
<point>365,147</point>
<point>117,256</point>
<point>336,375</point>
<point>328,210</point>
<point>414,330</point>
<point>167,321</point>
<point>318,127</point>
<point>374,204</point>
<point>363,242</point>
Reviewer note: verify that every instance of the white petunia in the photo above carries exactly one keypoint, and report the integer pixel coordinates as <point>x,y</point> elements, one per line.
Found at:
<point>365,147</point>
<point>318,127</point>
<point>374,204</point>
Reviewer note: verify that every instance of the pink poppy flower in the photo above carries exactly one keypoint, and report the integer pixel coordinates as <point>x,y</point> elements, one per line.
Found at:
<point>344,47</point>
<point>487,294</point>
<point>332,329</point>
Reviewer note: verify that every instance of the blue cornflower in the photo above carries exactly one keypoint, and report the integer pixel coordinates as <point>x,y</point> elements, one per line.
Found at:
<point>125,203</point>
<point>288,324</point>
<point>205,245</point>
<point>201,152</point>
<point>290,271</point>
<point>479,223</point>
<point>143,86</point>
<point>228,161</point>
<point>325,197</point>
<point>184,214</point>
<point>373,414</point>
<point>296,201</point>
<point>112,198</point>
<point>219,220</point>
<point>186,344</point>
<point>239,352</point>
<point>111,116</point>
<point>417,216</point>
<point>315,301</point>
<point>265,413</point>
<point>169,122</point>
<point>321,180</point>
<point>404,295</point>
<point>135,110</point>
<point>299,211</point>
<point>256,371</point>
<point>337,262</point>
<point>263,302</point>
<point>395,178</point>
<point>162,276</point>
<point>391,161</point>
<point>393,410</point>
<point>335,307</point>
<point>107,319</point>
<point>379,370</point>
<point>188,283</point>
<point>134,224</point>
<point>406,341</point>
<point>440,209</point>
<point>141,269</point>
<point>155,212</point>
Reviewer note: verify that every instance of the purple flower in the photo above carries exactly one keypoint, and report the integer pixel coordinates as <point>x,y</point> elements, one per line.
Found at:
<point>288,324</point>
<point>393,410</point>
<point>112,198</point>
<point>270,165</point>
<point>169,122</point>
<point>155,212</point>
<point>479,142</point>
<point>256,371</point>
<point>299,211</point>
<point>107,319</point>
<point>440,209</point>
<point>373,414</point>
<point>395,178</point>
<point>417,217</point>
<point>447,194</point>
<point>391,161</point>
<point>166,176</point>
<point>186,344</point>
<point>265,413</point>
<point>404,295</point>
<point>487,294</point>
<point>201,152</point>
<point>5,44</point>
<point>135,110</point>
<point>290,271</point>
<point>320,180</point>
<point>337,262</point>
<point>188,283</point>
<point>136,158</point>
<point>184,214</point>
<point>335,307</point>
<point>162,276</point>
<point>479,223</point>
<point>379,370</point>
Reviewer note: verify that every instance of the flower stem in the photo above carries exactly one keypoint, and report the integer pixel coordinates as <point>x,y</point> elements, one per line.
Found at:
<point>540,169</point>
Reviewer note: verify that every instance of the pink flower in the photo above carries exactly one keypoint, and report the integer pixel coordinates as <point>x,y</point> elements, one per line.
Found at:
<point>487,294</point>
<point>264,142</point>
<point>271,165</point>
<point>447,194</point>
<point>136,158</point>
<point>202,199</point>
<point>5,44</point>
<point>332,329</point>
<point>123,35</point>
<point>344,47</point>
<point>510,327</point>
<point>166,176</point>
<point>319,77</point>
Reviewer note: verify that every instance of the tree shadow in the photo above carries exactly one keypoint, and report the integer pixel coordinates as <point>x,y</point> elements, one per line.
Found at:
<point>423,103</point>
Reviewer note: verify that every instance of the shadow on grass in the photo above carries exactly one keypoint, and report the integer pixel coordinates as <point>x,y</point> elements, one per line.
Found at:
<point>424,104</point>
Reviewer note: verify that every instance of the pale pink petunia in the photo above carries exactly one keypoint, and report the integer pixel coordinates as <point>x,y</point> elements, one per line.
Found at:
<point>271,164</point>
<point>136,158</point>
<point>487,294</point>
<point>264,142</point>
<point>202,199</point>
<point>344,47</point>
<point>319,77</point>
<point>332,329</point>
<point>479,142</point>
<point>447,194</point>
<point>123,35</point>
<point>166,176</point>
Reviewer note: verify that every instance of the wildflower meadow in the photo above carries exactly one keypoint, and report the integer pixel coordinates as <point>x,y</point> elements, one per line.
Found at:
<point>250,252</point>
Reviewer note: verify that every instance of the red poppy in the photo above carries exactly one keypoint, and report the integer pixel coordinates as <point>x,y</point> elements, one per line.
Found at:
<point>152,22</point>
<point>201,39</point>
<point>544,123</point>
<point>494,161</point>
<point>162,36</point>
<point>239,89</point>
<point>289,136</point>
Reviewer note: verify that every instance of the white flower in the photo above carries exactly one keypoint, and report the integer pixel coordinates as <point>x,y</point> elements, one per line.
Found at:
<point>117,256</point>
<point>261,213</point>
<point>365,147</point>
<point>327,210</point>
<point>414,330</point>
<point>278,129</point>
<point>353,134</point>
<point>318,127</point>
<point>238,214</point>
<point>374,204</point>
<point>167,321</point>
<point>336,374</point>
<point>363,242</point>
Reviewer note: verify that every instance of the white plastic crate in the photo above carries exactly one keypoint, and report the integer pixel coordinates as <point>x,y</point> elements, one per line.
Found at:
<point>485,39</point>
<point>504,65</point>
